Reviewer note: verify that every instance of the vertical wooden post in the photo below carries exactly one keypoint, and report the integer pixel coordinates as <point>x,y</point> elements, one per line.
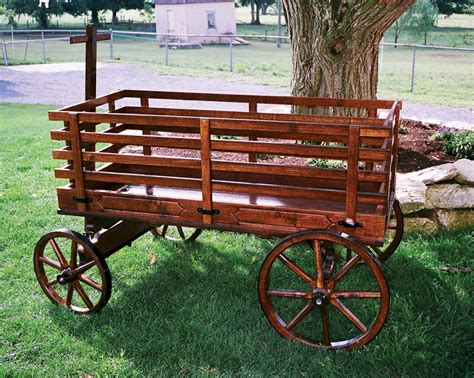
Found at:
<point>76,145</point>
<point>91,62</point>
<point>206,179</point>
<point>352,173</point>
<point>253,108</point>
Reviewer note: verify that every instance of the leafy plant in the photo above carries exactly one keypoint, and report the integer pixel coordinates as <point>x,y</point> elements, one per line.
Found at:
<point>457,143</point>
<point>325,163</point>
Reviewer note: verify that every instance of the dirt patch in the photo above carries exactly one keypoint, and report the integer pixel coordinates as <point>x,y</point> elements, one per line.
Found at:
<point>417,150</point>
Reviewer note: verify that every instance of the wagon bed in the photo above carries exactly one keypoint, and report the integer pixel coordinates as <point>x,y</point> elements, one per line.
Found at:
<point>207,192</point>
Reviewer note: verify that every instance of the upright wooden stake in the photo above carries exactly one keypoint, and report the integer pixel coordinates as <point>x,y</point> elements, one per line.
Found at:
<point>90,39</point>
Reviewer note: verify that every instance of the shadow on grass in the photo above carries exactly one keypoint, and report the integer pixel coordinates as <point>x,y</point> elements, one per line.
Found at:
<point>197,311</point>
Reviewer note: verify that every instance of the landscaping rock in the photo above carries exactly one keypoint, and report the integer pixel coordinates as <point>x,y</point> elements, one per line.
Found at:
<point>452,219</point>
<point>411,194</point>
<point>432,175</point>
<point>465,168</point>
<point>424,225</point>
<point>449,196</point>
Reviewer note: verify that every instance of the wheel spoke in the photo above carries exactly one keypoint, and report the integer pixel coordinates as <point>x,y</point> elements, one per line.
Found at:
<point>325,321</point>
<point>288,293</point>
<point>52,282</point>
<point>296,269</point>
<point>349,315</point>
<point>70,292</point>
<point>73,262</point>
<point>83,268</point>
<point>59,254</point>
<point>181,232</point>
<point>89,281</point>
<point>50,262</point>
<point>85,298</point>
<point>342,272</point>
<point>319,264</point>
<point>300,316</point>
<point>355,294</point>
<point>163,231</point>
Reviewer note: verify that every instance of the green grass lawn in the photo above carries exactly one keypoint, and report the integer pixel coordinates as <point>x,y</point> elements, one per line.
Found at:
<point>196,311</point>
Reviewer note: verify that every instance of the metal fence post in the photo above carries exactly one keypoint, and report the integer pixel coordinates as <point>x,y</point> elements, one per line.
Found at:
<point>5,55</point>
<point>231,50</point>
<point>13,43</point>
<point>166,49</point>
<point>111,44</point>
<point>279,23</point>
<point>412,76</point>
<point>43,42</point>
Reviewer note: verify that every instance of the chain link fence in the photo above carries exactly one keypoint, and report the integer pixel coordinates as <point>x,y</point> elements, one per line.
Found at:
<point>428,71</point>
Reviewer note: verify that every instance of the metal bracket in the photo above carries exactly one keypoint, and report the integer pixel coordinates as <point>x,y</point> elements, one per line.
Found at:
<point>350,224</point>
<point>208,212</point>
<point>82,200</point>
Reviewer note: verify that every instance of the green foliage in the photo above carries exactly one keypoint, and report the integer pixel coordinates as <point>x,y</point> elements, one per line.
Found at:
<point>326,163</point>
<point>457,143</point>
<point>32,8</point>
<point>449,7</point>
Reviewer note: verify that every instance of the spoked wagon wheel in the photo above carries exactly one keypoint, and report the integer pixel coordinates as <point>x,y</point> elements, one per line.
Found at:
<point>176,233</point>
<point>71,272</point>
<point>313,295</point>
<point>394,233</point>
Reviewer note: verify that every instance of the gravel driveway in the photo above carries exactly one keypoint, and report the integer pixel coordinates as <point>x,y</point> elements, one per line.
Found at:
<point>63,84</point>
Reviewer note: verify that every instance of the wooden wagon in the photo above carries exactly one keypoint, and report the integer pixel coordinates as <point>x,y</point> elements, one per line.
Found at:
<point>134,166</point>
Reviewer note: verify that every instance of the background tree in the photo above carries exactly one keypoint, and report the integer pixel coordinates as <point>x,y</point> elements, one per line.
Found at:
<point>335,45</point>
<point>448,7</point>
<point>255,9</point>
<point>422,17</point>
<point>40,13</point>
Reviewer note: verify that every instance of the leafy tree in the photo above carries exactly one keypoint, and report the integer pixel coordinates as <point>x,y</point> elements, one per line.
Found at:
<point>335,45</point>
<point>422,17</point>
<point>449,7</point>
<point>256,7</point>
<point>40,13</point>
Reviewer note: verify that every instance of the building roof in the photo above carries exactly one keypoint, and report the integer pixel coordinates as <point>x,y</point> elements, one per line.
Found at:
<point>160,2</point>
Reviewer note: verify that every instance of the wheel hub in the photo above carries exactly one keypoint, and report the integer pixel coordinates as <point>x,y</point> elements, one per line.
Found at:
<point>64,277</point>
<point>319,297</point>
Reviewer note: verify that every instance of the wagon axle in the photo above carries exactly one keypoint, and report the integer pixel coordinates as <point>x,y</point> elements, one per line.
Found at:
<point>64,277</point>
<point>319,297</point>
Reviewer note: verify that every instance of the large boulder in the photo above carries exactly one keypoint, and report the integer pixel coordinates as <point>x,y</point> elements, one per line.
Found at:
<point>465,168</point>
<point>423,225</point>
<point>452,219</point>
<point>411,193</point>
<point>433,175</point>
<point>449,196</point>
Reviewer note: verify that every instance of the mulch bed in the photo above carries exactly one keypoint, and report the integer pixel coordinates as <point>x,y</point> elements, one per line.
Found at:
<point>416,149</point>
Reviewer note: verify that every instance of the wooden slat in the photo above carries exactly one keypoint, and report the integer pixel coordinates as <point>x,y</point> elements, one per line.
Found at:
<point>253,109</point>
<point>262,99</point>
<point>206,178</point>
<point>77,160</point>
<point>246,115</point>
<point>352,175</point>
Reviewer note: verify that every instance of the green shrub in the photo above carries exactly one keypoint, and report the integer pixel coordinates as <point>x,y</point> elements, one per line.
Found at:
<point>325,163</point>
<point>457,143</point>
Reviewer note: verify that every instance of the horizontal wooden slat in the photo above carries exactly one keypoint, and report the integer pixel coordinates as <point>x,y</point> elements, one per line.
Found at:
<point>261,99</point>
<point>247,115</point>
<point>85,38</point>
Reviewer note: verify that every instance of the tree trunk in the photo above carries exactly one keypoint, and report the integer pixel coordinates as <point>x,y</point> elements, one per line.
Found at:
<point>335,46</point>
<point>397,33</point>
<point>426,37</point>
<point>257,13</point>
<point>114,17</point>
<point>95,16</point>
<point>252,12</point>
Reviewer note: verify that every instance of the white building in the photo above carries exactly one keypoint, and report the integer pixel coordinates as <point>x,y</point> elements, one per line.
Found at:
<point>206,18</point>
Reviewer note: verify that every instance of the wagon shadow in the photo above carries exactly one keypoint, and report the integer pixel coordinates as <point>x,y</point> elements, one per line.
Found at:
<point>204,309</point>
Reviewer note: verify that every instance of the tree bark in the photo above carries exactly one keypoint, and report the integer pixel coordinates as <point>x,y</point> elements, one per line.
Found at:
<point>95,16</point>
<point>252,12</point>
<point>335,46</point>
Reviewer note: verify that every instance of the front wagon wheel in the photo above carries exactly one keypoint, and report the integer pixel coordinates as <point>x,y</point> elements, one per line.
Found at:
<point>71,272</point>
<point>309,292</point>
